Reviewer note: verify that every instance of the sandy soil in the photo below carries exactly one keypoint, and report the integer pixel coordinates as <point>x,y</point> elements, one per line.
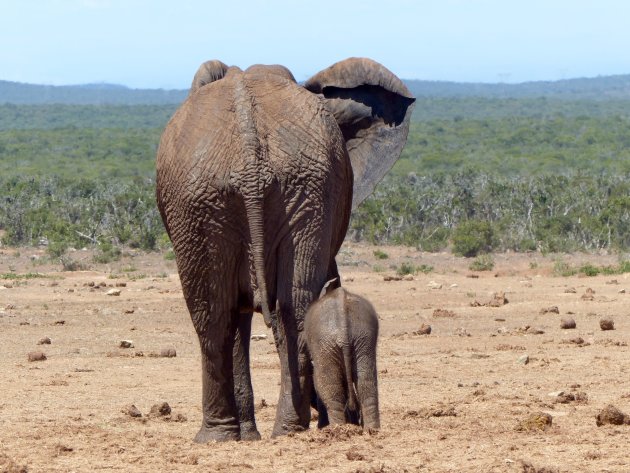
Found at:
<point>450,401</point>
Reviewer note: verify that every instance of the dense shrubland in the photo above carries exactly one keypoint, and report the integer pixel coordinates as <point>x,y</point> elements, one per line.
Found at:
<point>484,179</point>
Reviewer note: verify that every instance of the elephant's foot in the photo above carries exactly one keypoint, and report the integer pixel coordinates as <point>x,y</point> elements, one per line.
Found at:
<point>221,432</point>
<point>249,432</point>
<point>283,429</point>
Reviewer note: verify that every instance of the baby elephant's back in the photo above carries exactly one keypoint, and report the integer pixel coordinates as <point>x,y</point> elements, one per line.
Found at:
<point>341,317</point>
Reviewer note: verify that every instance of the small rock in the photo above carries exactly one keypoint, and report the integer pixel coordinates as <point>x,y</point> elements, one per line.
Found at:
<point>611,415</point>
<point>537,421</point>
<point>258,337</point>
<point>523,359</point>
<point>44,341</point>
<point>121,284</point>
<point>607,324</point>
<point>131,410</point>
<point>113,292</point>
<point>168,353</point>
<point>129,311</point>
<point>36,356</point>
<point>570,290</point>
<point>126,344</point>
<point>160,410</point>
<point>434,285</point>
<point>576,340</point>
<point>425,329</point>
<point>408,277</point>
<point>612,281</point>
<point>472,276</point>
<point>567,323</point>
<point>60,322</point>
<point>622,291</point>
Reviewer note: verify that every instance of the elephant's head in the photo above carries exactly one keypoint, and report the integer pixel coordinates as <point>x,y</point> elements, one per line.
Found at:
<point>370,104</point>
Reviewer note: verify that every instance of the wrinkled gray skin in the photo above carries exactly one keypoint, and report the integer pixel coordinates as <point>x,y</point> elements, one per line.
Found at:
<point>255,187</point>
<point>341,330</point>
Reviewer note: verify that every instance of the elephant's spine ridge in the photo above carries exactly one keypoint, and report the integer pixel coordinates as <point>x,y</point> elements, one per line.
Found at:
<point>253,191</point>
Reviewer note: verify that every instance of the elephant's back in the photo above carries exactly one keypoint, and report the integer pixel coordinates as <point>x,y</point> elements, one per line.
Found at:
<point>208,135</point>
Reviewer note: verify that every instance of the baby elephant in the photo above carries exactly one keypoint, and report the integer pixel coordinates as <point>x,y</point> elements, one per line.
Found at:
<point>341,330</point>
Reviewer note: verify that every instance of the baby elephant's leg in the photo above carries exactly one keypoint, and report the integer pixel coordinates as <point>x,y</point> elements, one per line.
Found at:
<point>329,383</point>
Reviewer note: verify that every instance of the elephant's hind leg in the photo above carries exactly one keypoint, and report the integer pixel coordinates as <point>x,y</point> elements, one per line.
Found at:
<point>242,379</point>
<point>210,290</point>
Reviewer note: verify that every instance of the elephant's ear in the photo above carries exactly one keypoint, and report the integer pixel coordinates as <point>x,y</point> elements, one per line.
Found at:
<point>208,72</point>
<point>373,109</point>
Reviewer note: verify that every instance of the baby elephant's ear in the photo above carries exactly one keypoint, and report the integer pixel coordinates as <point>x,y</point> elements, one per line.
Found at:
<point>372,108</point>
<point>329,286</point>
<point>208,72</point>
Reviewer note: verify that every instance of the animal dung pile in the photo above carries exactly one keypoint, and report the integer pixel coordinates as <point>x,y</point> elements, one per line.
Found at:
<point>425,329</point>
<point>550,310</point>
<point>444,313</point>
<point>567,323</point>
<point>168,353</point>
<point>36,356</point>
<point>538,421</point>
<point>131,410</point>
<point>607,324</point>
<point>611,415</point>
<point>589,295</point>
<point>498,300</point>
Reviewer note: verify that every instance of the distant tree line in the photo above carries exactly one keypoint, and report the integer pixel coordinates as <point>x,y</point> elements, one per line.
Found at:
<point>476,174</point>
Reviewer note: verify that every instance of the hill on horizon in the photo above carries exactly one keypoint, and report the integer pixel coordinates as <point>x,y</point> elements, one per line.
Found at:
<point>595,88</point>
<point>19,93</point>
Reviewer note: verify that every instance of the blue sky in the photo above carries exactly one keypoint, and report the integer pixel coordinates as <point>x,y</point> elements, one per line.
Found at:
<point>158,43</point>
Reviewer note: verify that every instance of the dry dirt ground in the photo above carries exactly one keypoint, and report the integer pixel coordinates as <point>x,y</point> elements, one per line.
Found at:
<point>451,401</point>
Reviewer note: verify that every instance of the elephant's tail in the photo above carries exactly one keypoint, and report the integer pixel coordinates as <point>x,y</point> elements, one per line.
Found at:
<point>252,150</point>
<point>347,359</point>
<point>254,209</point>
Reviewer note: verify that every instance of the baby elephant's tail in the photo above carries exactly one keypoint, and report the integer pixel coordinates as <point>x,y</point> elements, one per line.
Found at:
<point>347,362</point>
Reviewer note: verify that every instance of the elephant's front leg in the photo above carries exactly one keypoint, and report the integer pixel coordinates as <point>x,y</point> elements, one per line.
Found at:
<point>243,391</point>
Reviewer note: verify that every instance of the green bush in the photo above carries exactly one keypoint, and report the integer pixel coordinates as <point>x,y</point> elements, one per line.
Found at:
<point>482,263</point>
<point>406,268</point>
<point>590,270</point>
<point>409,268</point>
<point>562,268</point>
<point>473,237</point>
<point>107,253</point>
<point>379,254</point>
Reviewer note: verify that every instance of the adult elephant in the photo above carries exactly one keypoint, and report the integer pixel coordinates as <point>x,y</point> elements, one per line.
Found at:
<point>255,187</point>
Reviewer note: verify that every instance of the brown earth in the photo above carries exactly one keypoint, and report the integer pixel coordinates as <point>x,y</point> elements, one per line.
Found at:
<point>452,401</point>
